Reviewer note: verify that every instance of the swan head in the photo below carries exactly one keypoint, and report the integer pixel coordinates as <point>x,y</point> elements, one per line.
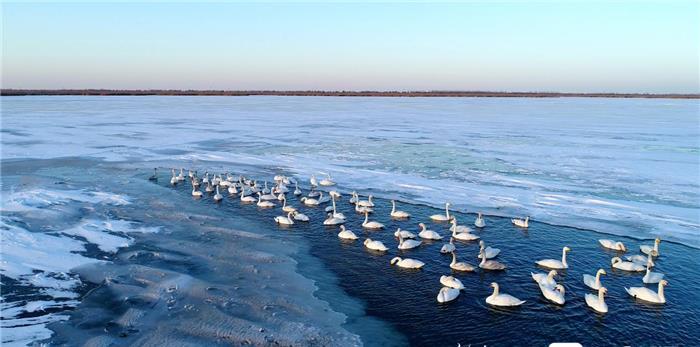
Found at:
<point>615,260</point>
<point>602,272</point>
<point>342,227</point>
<point>663,283</point>
<point>395,260</point>
<point>494,285</point>
<point>567,249</point>
<point>482,243</point>
<point>602,291</point>
<point>621,246</point>
<point>421,225</point>
<point>552,273</point>
<point>657,241</point>
<point>560,288</point>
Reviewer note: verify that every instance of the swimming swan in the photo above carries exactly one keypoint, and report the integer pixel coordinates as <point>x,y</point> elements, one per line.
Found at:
<point>523,223</point>
<point>442,217</point>
<point>448,247</point>
<point>546,280</point>
<point>428,234</point>
<point>287,208</point>
<point>460,266</point>
<point>597,302</point>
<point>489,251</point>
<point>464,236</point>
<point>333,220</point>
<point>396,213</point>
<point>297,191</point>
<point>218,196</point>
<point>479,222</point>
<point>407,243</point>
<point>196,193</point>
<point>593,282</point>
<point>366,203</point>
<point>646,294</point>
<point>404,233</point>
<point>649,250</point>
<point>626,265</point>
<point>371,225</point>
<point>556,264</point>
<point>313,181</point>
<point>327,182</point>
<point>497,299</point>
<point>450,281</point>
<point>407,263</point>
<point>309,201</point>
<point>301,217</point>
<point>288,220</point>
<point>447,294</point>
<point>490,264</point>
<point>652,277</point>
<point>554,294</point>
<point>261,203</point>
<point>247,199</point>
<point>375,245</point>
<point>614,245</point>
<point>346,234</point>
<point>459,228</point>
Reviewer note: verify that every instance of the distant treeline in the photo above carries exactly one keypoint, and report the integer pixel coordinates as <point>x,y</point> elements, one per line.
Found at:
<point>437,93</point>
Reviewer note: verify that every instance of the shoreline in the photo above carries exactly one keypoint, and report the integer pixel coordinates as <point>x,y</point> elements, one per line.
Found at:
<point>393,94</point>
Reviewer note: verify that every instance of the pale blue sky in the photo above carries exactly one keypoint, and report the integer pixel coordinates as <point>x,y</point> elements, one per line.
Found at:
<point>498,46</point>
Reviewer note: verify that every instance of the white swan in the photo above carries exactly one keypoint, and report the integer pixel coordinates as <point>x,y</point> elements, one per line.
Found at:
<point>247,199</point>
<point>450,281</point>
<point>327,182</point>
<point>448,247</point>
<point>442,217</point>
<point>265,189</point>
<point>309,201</point>
<point>330,220</point>
<point>652,277</point>
<point>489,252</point>
<point>593,282</point>
<point>196,193</point>
<point>641,260</point>
<point>479,222</point>
<point>626,265</point>
<point>362,209</point>
<point>313,181</point>
<point>487,264</point>
<point>464,236</point>
<point>654,251</point>
<point>297,191</point>
<point>396,213</point>
<point>646,294</point>
<point>428,234</point>
<point>556,264</point>
<point>336,214</point>
<point>301,217</point>
<point>459,228</point>
<point>287,208</point>
<point>181,176</point>
<point>371,225</point>
<point>407,263</point>
<point>447,294</point>
<point>523,223</point>
<point>355,198</point>
<point>554,294</point>
<point>288,220</point>
<point>404,233</point>
<point>173,179</point>
<point>313,193</point>
<point>460,266</point>
<point>375,245</point>
<point>597,302</point>
<point>232,189</point>
<point>407,243</point>
<point>218,196</point>
<point>497,299</point>
<point>614,245</point>
<point>366,203</point>
<point>546,280</point>
<point>346,234</point>
<point>209,188</point>
<point>263,204</point>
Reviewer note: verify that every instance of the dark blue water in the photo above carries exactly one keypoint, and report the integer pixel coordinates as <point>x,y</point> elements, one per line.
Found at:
<point>406,298</point>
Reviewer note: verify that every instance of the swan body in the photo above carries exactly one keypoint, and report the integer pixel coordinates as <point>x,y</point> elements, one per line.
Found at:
<point>301,217</point>
<point>288,220</point>
<point>404,234</point>
<point>523,223</point>
<point>332,220</point>
<point>371,225</point>
<point>459,228</point>
<point>309,201</point>
<point>363,209</point>
<point>442,217</point>
<point>375,245</point>
<point>597,302</point>
<point>297,191</point>
<point>428,234</point>
<point>447,294</point>
<point>263,204</point>
<point>247,199</point>
<point>396,213</point>
<point>407,263</point>
<point>626,265</point>
<point>232,189</point>
<point>556,264</point>
<point>448,247</point>
<point>366,203</point>
<point>614,245</point>
<point>545,280</point>
<point>327,182</point>
<point>334,195</point>
<point>346,234</point>
<point>648,295</point>
<point>450,281</point>
<point>654,251</point>
<point>487,264</point>
<point>287,208</point>
<point>218,196</point>
<point>479,222</point>
<point>505,300</point>
<point>652,277</point>
<point>460,266</point>
<point>196,193</point>
<point>554,294</point>
<point>407,243</point>
<point>464,236</point>
<point>173,179</point>
<point>488,252</point>
<point>593,282</point>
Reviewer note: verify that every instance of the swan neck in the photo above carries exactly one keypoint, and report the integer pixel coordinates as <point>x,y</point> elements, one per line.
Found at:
<point>366,218</point>
<point>454,259</point>
<point>661,291</point>
<point>597,278</point>
<point>393,206</point>
<point>563,257</point>
<point>495,291</point>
